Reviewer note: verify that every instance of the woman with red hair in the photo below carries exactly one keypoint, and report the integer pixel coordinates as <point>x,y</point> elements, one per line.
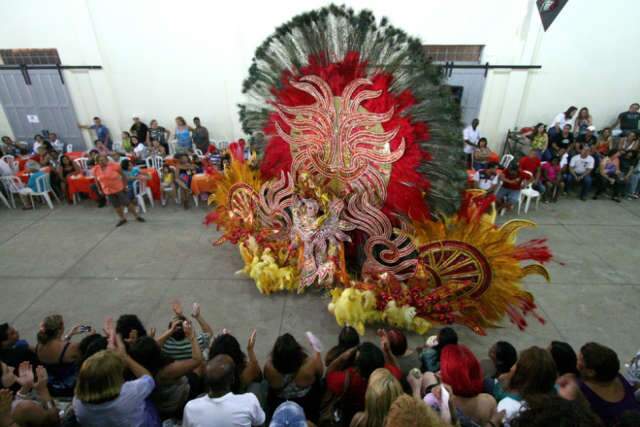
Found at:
<point>460,369</point>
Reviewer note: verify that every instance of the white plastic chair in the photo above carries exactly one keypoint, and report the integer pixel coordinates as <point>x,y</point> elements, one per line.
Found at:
<point>5,201</point>
<point>69,148</point>
<point>82,162</point>
<point>527,194</point>
<point>12,185</point>
<point>506,160</point>
<point>43,188</point>
<point>140,190</point>
<point>172,147</point>
<point>11,161</point>
<point>198,152</point>
<point>155,162</point>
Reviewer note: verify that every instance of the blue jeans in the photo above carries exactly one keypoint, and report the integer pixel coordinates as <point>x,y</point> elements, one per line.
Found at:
<point>585,184</point>
<point>632,186</point>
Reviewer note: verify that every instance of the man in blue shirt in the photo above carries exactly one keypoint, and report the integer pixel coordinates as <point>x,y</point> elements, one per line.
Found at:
<point>102,132</point>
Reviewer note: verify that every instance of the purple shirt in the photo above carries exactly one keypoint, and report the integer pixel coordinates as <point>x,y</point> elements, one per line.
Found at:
<point>609,412</point>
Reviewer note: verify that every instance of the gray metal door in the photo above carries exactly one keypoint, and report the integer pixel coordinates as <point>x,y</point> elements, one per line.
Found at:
<point>44,105</point>
<point>472,80</point>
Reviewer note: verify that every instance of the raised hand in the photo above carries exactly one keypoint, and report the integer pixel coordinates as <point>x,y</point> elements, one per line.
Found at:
<point>152,332</point>
<point>252,341</point>
<point>108,327</point>
<point>75,330</point>
<point>25,375</point>
<point>43,379</point>
<point>195,311</point>
<point>176,306</point>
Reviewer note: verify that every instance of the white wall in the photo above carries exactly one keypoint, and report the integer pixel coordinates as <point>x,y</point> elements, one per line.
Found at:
<point>162,59</point>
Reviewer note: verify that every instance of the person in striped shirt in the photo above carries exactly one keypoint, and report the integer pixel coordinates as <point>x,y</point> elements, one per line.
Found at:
<point>174,343</point>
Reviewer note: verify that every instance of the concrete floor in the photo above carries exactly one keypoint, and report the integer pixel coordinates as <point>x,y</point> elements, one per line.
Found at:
<point>73,261</point>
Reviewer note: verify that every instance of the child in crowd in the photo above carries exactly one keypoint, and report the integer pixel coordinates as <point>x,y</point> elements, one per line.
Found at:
<point>127,145</point>
<point>168,183</point>
<point>552,180</point>
<point>186,170</point>
<point>509,194</point>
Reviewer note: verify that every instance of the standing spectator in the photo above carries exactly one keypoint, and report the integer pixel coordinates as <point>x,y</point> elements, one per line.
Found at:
<point>539,140</point>
<point>435,344</point>
<point>628,120</point>
<point>481,155</point>
<point>406,358</point>
<point>561,120</point>
<point>220,406</point>
<point>562,142</point>
<point>382,390</point>
<point>56,143</point>
<point>58,354</point>
<point>14,350</point>
<point>292,375</point>
<point>471,136</point>
<point>533,374</point>
<point>487,179</point>
<point>552,179</point>
<point>200,136</point>
<point>607,392</point>
<point>628,161</point>
<point>610,176</point>
<point>102,132</point>
<point>183,136</point>
<point>112,183</point>
<point>580,168</point>
<point>509,194</point>
<point>247,367</point>
<point>158,133</point>
<point>347,340</point>
<point>103,397</point>
<point>583,121</point>
<point>139,129</point>
<point>176,344</point>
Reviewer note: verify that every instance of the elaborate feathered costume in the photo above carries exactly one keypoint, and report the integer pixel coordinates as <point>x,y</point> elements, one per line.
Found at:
<point>359,181</point>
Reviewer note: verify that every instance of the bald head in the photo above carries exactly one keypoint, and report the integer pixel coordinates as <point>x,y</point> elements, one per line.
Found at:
<point>219,375</point>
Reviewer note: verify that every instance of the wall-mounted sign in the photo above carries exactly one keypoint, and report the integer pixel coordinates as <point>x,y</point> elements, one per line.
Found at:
<point>32,118</point>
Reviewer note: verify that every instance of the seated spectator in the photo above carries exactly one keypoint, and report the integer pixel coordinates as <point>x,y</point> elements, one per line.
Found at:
<point>368,358</point>
<point>549,410</point>
<point>140,150</point>
<point>34,405</point>
<point>157,149</point>
<point>103,398</point>
<point>292,375</point>
<point>58,354</point>
<point>409,411</point>
<point>247,367</point>
<point>539,140</point>
<point>628,162</point>
<point>90,345</point>
<point>481,155</point>
<point>130,328</point>
<point>175,343</point>
<point>564,357</point>
<point>10,147</point>
<point>607,392</point>
<point>14,350</point>
<point>502,356</point>
<point>487,179</point>
<point>430,356</point>
<point>460,369</point>
<point>629,142</point>
<point>176,380</point>
<point>220,404</point>
<point>562,142</point>
<point>583,122</point>
<point>610,177</point>
<point>552,180</point>
<point>531,163</point>
<point>533,374</point>
<point>290,414</point>
<point>633,190</point>
<point>580,168</point>
<point>56,143</point>
<point>628,120</point>
<point>588,138</point>
<point>65,169</point>
<point>348,339</point>
<point>93,158</point>
<point>382,390</point>
<point>605,141</point>
<point>37,143</point>
<point>406,358</point>
<point>561,120</point>
<point>127,144</point>
<point>101,147</point>
<point>509,194</point>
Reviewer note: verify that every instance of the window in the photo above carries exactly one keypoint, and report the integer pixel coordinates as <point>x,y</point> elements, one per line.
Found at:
<point>453,52</point>
<point>30,56</point>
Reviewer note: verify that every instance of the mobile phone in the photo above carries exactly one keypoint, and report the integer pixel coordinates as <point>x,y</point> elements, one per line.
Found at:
<point>84,328</point>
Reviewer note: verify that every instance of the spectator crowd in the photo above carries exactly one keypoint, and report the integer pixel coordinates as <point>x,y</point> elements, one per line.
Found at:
<point>192,375</point>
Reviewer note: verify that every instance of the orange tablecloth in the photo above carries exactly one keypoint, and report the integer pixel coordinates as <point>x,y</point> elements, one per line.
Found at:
<point>203,183</point>
<point>82,184</point>
<point>75,155</point>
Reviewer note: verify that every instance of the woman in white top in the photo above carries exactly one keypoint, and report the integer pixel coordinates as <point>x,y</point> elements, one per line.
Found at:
<point>562,119</point>
<point>533,374</point>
